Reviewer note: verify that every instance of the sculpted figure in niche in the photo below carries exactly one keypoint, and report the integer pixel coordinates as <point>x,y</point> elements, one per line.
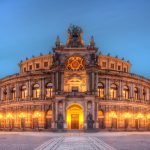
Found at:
<point>90,121</point>
<point>60,121</point>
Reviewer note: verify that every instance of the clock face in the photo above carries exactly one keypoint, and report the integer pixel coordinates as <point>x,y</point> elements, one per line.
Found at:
<point>75,63</point>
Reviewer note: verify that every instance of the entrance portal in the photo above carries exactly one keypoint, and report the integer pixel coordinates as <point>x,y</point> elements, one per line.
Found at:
<point>74,121</point>
<point>74,117</point>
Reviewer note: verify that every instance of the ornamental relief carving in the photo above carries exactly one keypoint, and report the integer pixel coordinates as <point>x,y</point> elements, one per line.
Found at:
<point>75,63</point>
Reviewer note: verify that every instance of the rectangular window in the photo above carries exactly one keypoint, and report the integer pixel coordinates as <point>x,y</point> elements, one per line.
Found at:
<point>125,69</point>
<point>25,69</point>
<point>104,64</point>
<point>45,64</point>
<point>37,66</point>
<point>112,66</point>
<point>119,68</point>
<point>30,67</point>
<point>101,92</point>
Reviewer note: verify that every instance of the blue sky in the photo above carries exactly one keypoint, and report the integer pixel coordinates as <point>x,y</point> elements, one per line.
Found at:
<point>30,27</point>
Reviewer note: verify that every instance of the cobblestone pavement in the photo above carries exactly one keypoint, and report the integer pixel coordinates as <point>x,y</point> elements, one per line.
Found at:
<point>74,141</point>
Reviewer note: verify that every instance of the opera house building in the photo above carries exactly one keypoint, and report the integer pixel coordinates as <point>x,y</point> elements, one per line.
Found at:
<point>75,87</point>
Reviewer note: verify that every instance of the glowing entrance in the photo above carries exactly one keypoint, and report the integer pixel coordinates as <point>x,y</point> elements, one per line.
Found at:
<point>75,117</point>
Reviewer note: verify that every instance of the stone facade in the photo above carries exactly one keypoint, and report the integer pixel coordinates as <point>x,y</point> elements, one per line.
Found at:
<point>75,88</point>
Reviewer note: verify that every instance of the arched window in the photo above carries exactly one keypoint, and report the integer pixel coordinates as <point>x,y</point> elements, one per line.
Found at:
<point>49,90</point>
<point>36,91</point>
<point>144,94</point>
<point>13,93</point>
<point>5,94</point>
<point>136,93</point>
<point>113,91</point>
<point>126,92</point>
<point>23,92</point>
<point>100,90</point>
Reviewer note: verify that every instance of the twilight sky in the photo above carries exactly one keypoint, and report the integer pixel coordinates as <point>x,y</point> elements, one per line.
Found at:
<point>30,27</point>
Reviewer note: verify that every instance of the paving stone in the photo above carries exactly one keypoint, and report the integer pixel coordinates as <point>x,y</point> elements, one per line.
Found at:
<point>74,141</point>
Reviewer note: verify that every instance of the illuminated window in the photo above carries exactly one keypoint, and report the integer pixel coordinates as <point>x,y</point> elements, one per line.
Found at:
<point>13,93</point>
<point>136,93</point>
<point>126,92</point>
<point>49,90</point>
<point>36,91</point>
<point>101,90</point>
<point>113,91</point>
<point>75,63</point>
<point>24,92</point>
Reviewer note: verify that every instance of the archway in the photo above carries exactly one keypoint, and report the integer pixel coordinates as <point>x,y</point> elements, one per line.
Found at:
<point>101,119</point>
<point>75,117</point>
<point>48,119</point>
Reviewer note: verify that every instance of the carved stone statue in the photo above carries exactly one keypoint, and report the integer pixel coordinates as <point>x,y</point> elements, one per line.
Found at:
<point>90,121</point>
<point>75,36</point>
<point>60,121</point>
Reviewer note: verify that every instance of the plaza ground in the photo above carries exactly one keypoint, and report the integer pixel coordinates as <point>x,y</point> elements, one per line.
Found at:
<point>74,141</point>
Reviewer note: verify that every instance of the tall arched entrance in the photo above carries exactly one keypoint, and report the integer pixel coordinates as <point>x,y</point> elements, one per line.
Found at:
<point>75,117</point>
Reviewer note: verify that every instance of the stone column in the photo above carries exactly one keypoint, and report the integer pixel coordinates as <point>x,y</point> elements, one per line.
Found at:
<point>107,89</point>
<point>17,92</point>
<point>59,81</point>
<point>62,81</point>
<point>42,89</point>
<point>120,90</point>
<point>96,116</point>
<point>131,92</point>
<point>93,110</point>
<point>96,82</point>
<point>85,114</point>
<point>88,81</point>
<point>56,112</point>
<point>141,93</point>
<point>8,93</point>
<point>29,90</point>
<point>64,114</point>
<point>93,82</point>
<point>53,115</point>
<point>56,81</point>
